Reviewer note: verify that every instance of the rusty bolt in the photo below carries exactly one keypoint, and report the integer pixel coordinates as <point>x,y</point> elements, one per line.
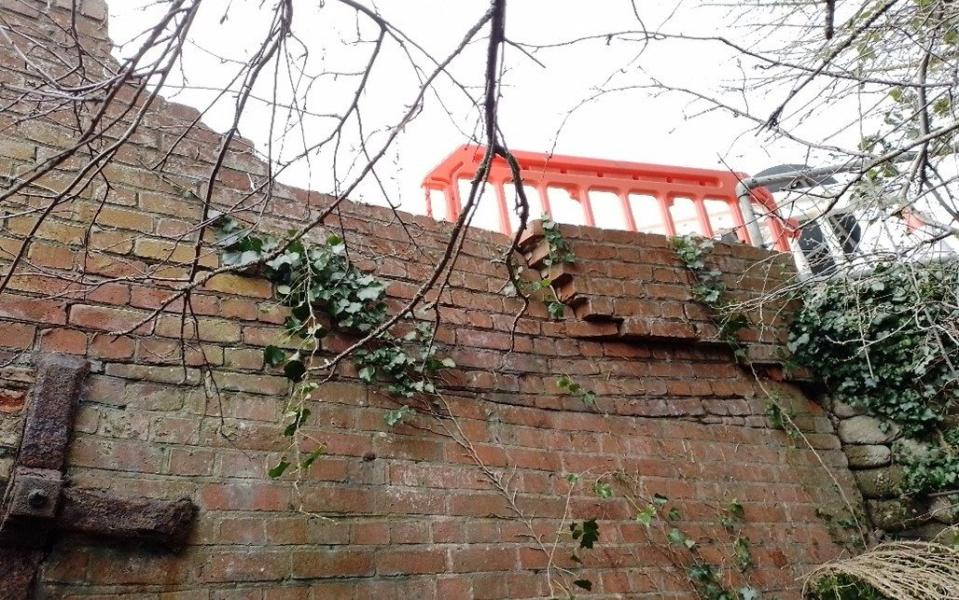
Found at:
<point>37,498</point>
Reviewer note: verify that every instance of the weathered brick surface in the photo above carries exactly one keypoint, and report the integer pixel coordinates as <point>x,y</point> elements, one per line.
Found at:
<point>176,408</point>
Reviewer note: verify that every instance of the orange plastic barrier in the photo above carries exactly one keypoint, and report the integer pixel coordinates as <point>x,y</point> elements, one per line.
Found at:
<point>580,176</point>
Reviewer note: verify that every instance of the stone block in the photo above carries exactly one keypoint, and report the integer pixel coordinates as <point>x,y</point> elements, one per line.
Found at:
<point>866,457</point>
<point>945,509</point>
<point>879,483</point>
<point>895,515</point>
<point>867,430</point>
<point>909,449</point>
<point>844,410</point>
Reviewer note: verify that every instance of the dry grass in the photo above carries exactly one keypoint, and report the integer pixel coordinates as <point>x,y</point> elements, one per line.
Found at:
<point>900,571</point>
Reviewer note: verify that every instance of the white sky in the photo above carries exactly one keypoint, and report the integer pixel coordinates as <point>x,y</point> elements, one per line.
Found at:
<point>631,125</point>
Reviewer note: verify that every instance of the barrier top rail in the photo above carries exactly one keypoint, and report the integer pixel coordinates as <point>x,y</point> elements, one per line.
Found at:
<point>707,190</point>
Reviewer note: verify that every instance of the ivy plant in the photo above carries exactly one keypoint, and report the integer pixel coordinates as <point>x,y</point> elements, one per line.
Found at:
<point>709,287</point>
<point>577,390</point>
<point>325,292</point>
<point>879,341</point>
<point>934,471</point>
<point>559,252</point>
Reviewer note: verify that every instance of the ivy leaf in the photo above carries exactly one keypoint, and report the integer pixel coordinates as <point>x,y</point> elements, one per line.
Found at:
<point>585,584</point>
<point>749,593</point>
<point>312,456</point>
<point>603,490</point>
<point>273,356</point>
<point>674,514</point>
<point>645,517</point>
<point>294,369</point>
<point>744,557</point>
<point>586,532</point>
<point>394,417</point>
<point>556,309</point>
<point>373,292</point>
<point>367,374</point>
<point>677,537</point>
<point>659,499</point>
<point>589,398</point>
<point>278,470</point>
<point>735,509</point>
<point>299,417</point>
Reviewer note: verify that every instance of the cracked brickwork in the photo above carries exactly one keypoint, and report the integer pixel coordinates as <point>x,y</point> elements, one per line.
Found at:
<point>409,513</point>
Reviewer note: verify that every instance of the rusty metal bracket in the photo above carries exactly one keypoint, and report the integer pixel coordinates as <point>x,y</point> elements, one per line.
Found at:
<point>35,493</point>
<point>38,502</point>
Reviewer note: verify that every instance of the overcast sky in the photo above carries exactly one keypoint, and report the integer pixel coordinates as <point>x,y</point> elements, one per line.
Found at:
<point>631,125</point>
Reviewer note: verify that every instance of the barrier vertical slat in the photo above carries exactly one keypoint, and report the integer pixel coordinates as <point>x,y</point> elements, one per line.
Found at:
<point>504,225</point>
<point>581,194</point>
<point>627,211</point>
<point>667,216</point>
<point>707,227</point>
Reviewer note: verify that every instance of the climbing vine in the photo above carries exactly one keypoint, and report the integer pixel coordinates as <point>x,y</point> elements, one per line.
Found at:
<point>709,287</point>
<point>661,518</point>
<point>935,470</point>
<point>576,390</point>
<point>559,253</point>
<point>885,342</point>
<point>325,292</point>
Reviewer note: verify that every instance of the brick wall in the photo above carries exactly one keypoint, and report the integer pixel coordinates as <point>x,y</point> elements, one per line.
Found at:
<point>390,512</point>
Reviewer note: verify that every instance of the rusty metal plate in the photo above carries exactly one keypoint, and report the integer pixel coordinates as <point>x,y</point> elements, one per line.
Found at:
<point>49,418</point>
<point>99,513</point>
<point>35,493</point>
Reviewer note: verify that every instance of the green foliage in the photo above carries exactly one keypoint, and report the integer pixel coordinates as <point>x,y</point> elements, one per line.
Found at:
<point>935,471</point>
<point>603,490</point>
<point>708,581</point>
<point>325,291</point>
<point>843,587</point>
<point>585,396</point>
<point>405,365</point>
<point>876,341</point>
<point>398,415</point>
<point>587,532</point>
<point>706,578</point>
<point>781,419</point>
<point>742,553</point>
<point>559,253</point>
<point>709,288</point>
<point>732,515</point>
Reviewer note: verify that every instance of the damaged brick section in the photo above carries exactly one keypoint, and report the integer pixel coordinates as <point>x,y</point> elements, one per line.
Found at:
<point>633,286</point>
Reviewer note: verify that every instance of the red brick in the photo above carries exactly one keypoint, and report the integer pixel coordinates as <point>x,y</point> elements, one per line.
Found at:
<point>11,401</point>
<point>109,319</point>
<point>16,335</point>
<point>244,496</point>
<point>331,563</point>
<point>70,341</point>
<point>37,310</point>
<point>111,346</point>
<point>469,559</point>
<point>410,562</point>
